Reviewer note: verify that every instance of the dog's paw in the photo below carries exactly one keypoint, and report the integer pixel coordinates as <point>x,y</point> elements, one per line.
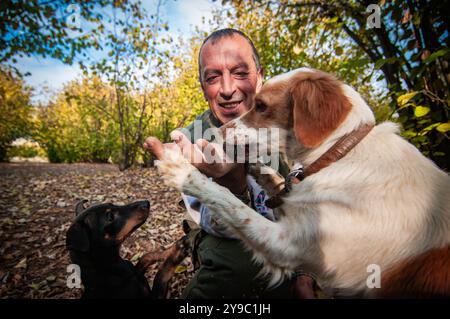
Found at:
<point>174,168</point>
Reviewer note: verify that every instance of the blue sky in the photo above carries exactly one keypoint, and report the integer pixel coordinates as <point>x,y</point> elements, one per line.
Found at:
<point>49,75</point>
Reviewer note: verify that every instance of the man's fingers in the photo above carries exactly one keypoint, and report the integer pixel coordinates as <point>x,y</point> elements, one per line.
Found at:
<point>180,138</point>
<point>202,143</point>
<point>192,153</point>
<point>208,157</point>
<point>214,151</point>
<point>155,146</point>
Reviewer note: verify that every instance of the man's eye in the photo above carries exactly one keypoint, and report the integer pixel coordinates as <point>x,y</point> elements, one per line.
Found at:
<point>211,79</point>
<point>242,74</point>
<point>260,107</point>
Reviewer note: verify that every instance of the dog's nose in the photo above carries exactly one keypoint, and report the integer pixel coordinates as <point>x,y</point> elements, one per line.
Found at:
<point>144,204</point>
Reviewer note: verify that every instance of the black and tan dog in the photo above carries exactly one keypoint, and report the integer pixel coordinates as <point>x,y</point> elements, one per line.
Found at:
<point>94,241</point>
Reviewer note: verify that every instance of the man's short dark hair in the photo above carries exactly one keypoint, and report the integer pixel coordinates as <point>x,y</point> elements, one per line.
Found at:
<point>223,33</point>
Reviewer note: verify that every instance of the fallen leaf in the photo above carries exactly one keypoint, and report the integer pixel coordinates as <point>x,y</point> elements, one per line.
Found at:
<point>22,263</point>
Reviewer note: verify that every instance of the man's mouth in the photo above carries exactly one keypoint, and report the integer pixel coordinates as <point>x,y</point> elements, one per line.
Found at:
<point>230,107</point>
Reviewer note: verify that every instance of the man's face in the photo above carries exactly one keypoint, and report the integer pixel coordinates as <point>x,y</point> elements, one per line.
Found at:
<point>230,79</point>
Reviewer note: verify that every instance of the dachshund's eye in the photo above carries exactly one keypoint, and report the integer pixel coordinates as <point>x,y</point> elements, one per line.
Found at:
<point>109,216</point>
<point>260,107</point>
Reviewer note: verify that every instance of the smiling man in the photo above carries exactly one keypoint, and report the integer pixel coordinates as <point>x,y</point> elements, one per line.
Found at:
<point>230,75</point>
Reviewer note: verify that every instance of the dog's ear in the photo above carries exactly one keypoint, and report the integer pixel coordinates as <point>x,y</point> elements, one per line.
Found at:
<point>319,107</point>
<point>77,238</point>
<point>79,207</point>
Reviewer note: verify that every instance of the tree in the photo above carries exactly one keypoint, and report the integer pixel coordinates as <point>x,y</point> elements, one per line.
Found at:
<point>50,28</point>
<point>408,50</point>
<point>179,98</point>
<point>134,59</point>
<point>15,110</point>
<point>71,129</point>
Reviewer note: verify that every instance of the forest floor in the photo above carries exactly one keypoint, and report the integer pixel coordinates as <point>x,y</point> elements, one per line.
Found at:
<point>37,207</point>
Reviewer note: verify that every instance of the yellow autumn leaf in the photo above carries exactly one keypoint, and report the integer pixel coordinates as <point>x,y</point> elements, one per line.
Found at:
<point>420,111</point>
<point>444,127</point>
<point>180,269</point>
<point>22,263</point>
<point>403,99</point>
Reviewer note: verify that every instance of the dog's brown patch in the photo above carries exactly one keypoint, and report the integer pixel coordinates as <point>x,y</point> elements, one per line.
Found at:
<point>319,107</point>
<point>128,227</point>
<point>426,276</point>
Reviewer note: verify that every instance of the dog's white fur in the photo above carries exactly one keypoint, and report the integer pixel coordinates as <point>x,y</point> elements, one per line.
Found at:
<point>383,202</point>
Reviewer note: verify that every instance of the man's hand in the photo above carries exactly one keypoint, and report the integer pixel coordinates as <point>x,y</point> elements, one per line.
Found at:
<point>199,155</point>
<point>230,175</point>
<point>154,146</point>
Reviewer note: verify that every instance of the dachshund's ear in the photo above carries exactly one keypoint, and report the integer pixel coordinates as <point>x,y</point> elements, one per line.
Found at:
<point>79,207</point>
<point>77,238</point>
<point>319,107</point>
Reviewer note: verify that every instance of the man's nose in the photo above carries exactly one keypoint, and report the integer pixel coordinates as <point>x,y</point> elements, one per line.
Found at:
<point>228,87</point>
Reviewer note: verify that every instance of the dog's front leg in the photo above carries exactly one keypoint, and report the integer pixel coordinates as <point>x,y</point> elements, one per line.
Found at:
<point>268,239</point>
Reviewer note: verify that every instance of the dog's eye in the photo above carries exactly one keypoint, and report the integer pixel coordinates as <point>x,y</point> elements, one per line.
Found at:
<point>109,216</point>
<point>260,107</point>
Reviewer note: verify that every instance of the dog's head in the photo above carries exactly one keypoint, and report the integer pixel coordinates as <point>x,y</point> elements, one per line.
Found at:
<point>104,226</point>
<point>306,105</point>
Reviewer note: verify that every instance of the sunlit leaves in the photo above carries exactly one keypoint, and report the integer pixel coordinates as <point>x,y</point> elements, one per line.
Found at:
<point>79,125</point>
<point>420,111</point>
<point>15,110</point>
<point>444,128</point>
<point>437,54</point>
<point>403,99</point>
<point>381,62</point>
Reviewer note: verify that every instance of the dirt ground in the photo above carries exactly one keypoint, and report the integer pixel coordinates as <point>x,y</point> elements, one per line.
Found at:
<point>37,203</point>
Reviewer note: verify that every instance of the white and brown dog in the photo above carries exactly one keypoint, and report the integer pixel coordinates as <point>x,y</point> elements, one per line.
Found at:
<point>367,197</point>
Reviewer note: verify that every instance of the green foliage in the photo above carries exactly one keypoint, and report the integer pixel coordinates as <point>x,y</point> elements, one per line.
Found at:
<point>50,28</point>
<point>72,129</point>
<point>144,88</point>
<point>83,123</point>
<point>15,110</point>
<point>135,57</point>
<point>176,103</point>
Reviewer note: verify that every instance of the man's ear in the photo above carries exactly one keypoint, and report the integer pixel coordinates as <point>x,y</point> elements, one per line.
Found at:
<point>77,238</point>
<point>259,79</point>
<point>319,107</point>
<point>203,90</point>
